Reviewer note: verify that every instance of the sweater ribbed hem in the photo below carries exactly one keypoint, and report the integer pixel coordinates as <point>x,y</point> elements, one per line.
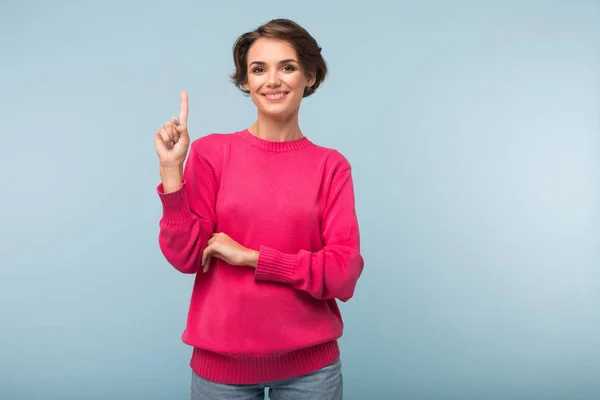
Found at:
<point>243,370</point>
<point>176,208</point>
<point>274,266</point>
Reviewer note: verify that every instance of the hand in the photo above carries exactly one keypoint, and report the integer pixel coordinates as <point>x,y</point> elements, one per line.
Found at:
<point>172,140</point>
<point>222,246</point>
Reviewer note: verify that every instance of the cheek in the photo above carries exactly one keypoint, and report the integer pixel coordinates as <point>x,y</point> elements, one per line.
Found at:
<point>254,82</point>
<point>298,82</point>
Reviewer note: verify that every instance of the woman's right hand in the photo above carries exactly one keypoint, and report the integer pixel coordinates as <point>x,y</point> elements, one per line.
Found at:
<point>172,140</point>
<point>172,143</point>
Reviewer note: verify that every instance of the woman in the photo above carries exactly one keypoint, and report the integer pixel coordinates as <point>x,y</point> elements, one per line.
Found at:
<point>266,220</point>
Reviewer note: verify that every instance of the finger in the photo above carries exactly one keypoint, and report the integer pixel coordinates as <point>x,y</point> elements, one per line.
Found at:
<point>206,254</point>
<point>207,266</point>
<point>183,113</point>
<point>159,140</point>
<point>176,123</point>
<point>170,129</point>
<point>164,135</point>
<point>173,134</point>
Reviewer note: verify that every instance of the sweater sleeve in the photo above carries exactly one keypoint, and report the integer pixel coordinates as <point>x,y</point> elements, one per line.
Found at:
<point>333,271</point>
<point>188,218</point>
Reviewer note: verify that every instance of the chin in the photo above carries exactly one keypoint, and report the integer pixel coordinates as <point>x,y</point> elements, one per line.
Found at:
<point>277,113</point>
<point>277,110</point>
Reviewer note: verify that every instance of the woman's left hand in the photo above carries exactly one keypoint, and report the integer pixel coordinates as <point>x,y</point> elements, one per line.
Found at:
<point>220,245</point>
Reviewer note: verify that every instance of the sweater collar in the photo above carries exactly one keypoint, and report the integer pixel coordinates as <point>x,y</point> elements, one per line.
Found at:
<point>274,146</point>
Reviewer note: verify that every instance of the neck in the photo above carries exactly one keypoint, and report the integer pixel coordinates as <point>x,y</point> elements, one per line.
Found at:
<point>277,130</point>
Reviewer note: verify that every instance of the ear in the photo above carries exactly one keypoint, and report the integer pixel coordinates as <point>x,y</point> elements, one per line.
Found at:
<point>311,78</point>
<point>246,86</point>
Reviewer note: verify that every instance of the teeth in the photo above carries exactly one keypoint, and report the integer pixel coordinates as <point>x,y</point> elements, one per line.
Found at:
<point>275,96</point>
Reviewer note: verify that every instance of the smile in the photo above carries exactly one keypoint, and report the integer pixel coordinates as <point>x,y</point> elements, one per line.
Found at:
<point>275,96</point>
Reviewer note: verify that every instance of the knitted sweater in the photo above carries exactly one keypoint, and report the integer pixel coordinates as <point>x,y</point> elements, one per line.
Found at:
<point>293,202</point>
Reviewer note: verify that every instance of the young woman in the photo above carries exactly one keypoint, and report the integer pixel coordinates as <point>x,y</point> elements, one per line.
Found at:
<point>266,221</point>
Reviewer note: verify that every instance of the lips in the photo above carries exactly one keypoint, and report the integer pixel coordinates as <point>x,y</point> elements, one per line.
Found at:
<point>275,96</point>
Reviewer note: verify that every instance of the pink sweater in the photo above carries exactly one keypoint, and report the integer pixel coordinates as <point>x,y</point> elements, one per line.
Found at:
<point>292,201</point>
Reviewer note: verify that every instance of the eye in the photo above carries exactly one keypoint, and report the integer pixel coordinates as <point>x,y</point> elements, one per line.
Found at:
<point>257,70</point>
<point>289,68</point>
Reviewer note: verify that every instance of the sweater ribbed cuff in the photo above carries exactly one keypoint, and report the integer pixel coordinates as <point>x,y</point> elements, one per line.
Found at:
<point>274,266</point>
<point>176,208</point>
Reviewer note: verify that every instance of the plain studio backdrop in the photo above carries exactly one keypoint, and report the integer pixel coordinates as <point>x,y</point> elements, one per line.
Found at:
<point>473,128</point>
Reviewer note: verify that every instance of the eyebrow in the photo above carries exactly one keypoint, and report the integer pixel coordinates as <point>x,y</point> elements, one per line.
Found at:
<point>280,62</point>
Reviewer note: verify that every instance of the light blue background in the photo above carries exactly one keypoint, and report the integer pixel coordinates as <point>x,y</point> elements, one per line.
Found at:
<point>474,131</point>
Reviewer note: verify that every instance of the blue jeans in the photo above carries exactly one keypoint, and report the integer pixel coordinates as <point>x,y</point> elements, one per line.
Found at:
<point>323,384</point>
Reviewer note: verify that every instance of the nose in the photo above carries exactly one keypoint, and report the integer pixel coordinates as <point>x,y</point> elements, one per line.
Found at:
<point>273,79</point>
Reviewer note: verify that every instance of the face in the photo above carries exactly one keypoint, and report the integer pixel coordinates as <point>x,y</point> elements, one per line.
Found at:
<point>276,80</point>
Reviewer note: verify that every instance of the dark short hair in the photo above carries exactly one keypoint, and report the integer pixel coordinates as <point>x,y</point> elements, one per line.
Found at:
<point>307,48</point>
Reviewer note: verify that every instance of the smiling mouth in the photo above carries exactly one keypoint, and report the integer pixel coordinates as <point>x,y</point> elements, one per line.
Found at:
<point>275,96</point>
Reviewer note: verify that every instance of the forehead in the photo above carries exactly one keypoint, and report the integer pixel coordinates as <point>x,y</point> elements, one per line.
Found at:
<point>270,50</point>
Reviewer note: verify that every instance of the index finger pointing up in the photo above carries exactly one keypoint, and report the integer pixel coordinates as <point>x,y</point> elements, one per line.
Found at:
<point>183,114</point>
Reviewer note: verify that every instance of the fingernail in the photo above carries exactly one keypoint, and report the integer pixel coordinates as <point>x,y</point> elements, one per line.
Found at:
<point>175,122</point>
<point>176,139</point>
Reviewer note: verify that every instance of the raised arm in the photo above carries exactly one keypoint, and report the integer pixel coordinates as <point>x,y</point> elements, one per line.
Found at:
<point>187,195</point>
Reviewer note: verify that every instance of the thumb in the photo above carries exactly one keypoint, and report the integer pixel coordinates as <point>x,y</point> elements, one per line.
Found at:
<point>180,128</point>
